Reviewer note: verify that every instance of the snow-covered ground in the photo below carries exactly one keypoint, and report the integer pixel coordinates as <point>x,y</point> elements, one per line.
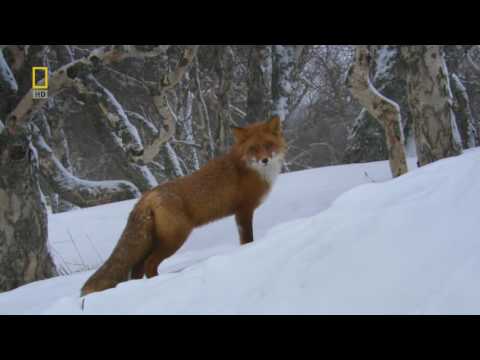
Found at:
<point>328,241</point>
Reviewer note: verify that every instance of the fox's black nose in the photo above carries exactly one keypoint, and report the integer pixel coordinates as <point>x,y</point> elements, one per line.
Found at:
<point>265,161</point>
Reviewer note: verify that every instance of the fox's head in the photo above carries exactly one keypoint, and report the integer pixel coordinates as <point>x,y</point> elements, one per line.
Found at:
<point>261,144</point>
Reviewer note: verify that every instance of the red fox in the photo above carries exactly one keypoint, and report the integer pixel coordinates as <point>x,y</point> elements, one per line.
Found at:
<point>161,221</point>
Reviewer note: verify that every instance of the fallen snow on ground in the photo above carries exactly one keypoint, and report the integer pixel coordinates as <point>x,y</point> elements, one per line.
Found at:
<point>328,241</point>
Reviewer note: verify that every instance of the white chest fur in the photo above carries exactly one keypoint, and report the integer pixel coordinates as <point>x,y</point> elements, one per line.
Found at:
<point>270,171</point>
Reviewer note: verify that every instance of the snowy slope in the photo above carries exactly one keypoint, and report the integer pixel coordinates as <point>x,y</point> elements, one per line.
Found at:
<point>83,239</point>
<point>404,246</point>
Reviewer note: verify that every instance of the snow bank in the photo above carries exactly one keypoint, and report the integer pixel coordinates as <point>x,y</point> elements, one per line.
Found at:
<point>404,246</point>
<point>83,239</point>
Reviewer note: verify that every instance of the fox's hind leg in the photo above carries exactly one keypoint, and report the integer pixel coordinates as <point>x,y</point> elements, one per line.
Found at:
<point>171,231</point>
<point>163,251</point>
<point>138,270</point>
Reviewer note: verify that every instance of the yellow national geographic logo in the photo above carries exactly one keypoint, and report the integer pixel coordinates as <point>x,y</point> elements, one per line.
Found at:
<point>40,91</point>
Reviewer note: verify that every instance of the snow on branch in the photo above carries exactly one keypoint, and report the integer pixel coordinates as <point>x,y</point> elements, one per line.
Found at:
<point>75,73</point>
<point>7,80</point>
<point>465,117</point>
<point>124,133</point>
<point>146,122</point>
<point>384,110</point>
<point>80,192</point>
<point>159,95</point>
<point>69,74</point>
<point>173,157</point>
<point>387,59</point>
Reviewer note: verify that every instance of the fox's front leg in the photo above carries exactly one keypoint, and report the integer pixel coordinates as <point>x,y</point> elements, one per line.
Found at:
<point>244,219</point>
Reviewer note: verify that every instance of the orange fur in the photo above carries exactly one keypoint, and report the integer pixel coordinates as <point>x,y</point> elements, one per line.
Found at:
<point>161,221</point>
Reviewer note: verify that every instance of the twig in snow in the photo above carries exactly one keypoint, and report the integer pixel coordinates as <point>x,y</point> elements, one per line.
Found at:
<point>368,177</point>
<point>76,248</point>
<point>95,249</point>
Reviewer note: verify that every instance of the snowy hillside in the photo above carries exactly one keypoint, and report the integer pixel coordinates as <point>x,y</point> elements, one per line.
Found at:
<point>324,245</point>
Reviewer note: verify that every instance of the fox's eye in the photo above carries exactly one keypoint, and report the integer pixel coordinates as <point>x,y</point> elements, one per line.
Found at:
<point>252,149</point>
<point>268,146</point>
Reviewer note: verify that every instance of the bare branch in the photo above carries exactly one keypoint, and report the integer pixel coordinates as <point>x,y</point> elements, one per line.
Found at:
<point>136,51</point>
<point>204,111</point>
<point>124,132</point>
<point>77,191</point>
<point>161,104</point>
<point>147,123</point>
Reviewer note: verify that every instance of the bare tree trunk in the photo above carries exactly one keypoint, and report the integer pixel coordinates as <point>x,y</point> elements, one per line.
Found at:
<point>366,139</point>
<point>259,83</point>
<point>384,110</point>
<point>188,127</point>
<point>24,255</point>
<point>463,113</point>
<point>204,115</point>
<point>283,64</point>
<point>431,103</point>
<point>222,98</point>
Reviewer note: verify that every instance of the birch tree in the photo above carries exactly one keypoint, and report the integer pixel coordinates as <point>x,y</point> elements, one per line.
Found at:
<point>283,64</point>
<point>366,138</point>
<point>384,110</point>
<point>259,82</point>
<point>431,103</point>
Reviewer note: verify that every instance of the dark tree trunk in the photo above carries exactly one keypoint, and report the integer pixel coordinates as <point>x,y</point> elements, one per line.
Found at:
<point>454,56</point>
<point>258,83</point>
<point>24,255</point>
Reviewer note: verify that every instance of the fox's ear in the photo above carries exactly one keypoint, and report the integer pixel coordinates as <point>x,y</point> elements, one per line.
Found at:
<point>274,125</point>
<point>239,134</point>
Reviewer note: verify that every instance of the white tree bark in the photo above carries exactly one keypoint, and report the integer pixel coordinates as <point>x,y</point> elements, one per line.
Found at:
<point>384,110</point>
<point>283,64</point>
<point>431,103</point>
<point>159,94</point>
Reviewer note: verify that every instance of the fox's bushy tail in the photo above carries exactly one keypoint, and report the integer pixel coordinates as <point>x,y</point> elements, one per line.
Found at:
<point>132,248</point>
